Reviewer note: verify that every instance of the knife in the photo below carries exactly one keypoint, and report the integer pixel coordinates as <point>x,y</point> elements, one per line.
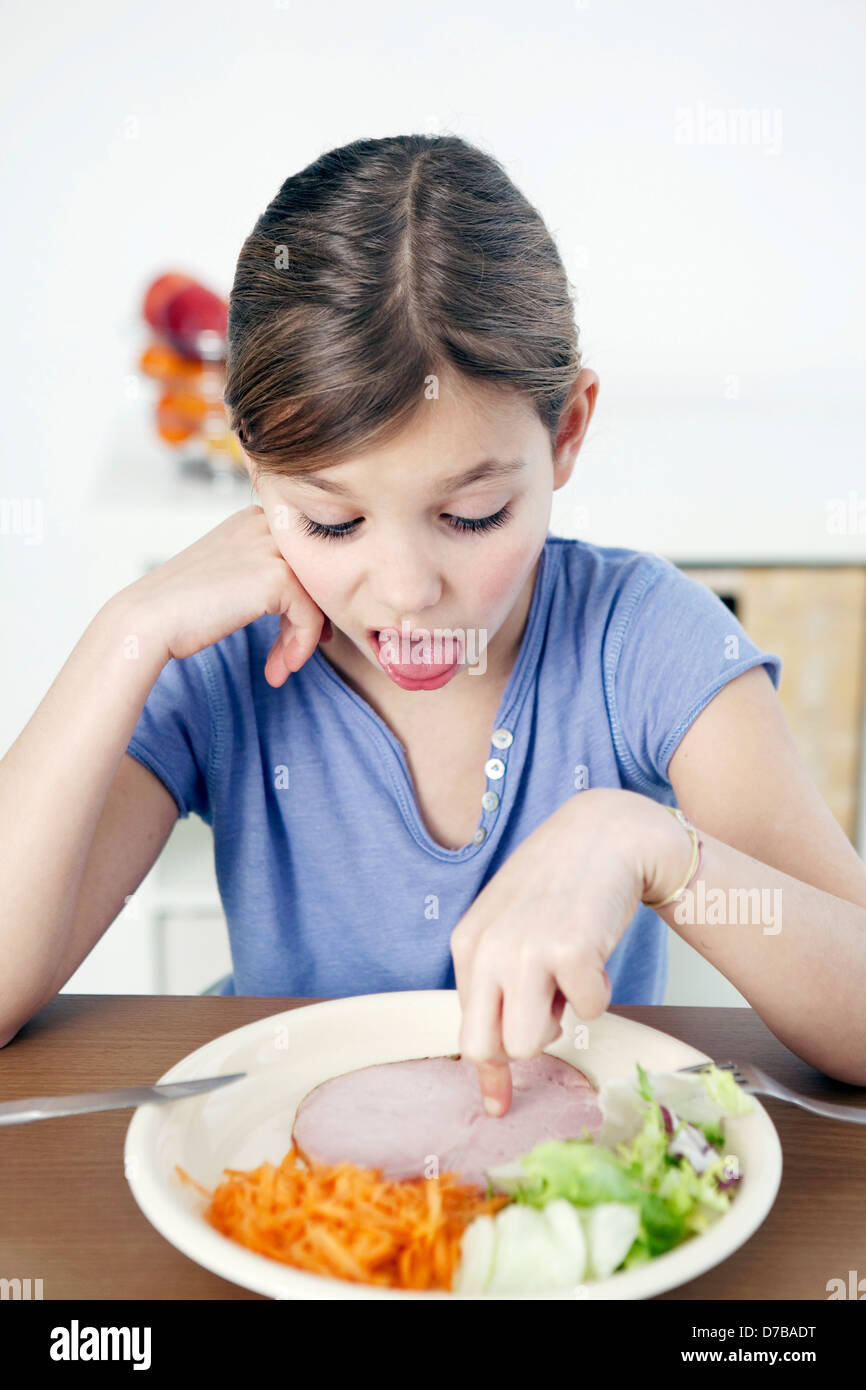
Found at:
<point>19,1112</point>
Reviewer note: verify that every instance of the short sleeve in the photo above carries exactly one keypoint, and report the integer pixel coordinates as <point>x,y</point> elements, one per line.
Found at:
<point>173,735</point>
<point>672,644</point>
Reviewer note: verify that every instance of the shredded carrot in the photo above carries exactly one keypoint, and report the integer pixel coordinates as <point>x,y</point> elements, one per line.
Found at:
<point>348,1222</point>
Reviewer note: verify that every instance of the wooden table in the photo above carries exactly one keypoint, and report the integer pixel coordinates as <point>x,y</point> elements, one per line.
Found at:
<point>67,1215</point>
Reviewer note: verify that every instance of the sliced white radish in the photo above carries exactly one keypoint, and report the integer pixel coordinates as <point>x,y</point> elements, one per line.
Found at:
<point>476,1256</point>
<point>525,1249</point>
<point>611,1228</point>
<point>568,1233</point>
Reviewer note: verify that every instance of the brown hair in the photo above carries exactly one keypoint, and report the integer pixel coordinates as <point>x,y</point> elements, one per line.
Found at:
<point>381,264</point>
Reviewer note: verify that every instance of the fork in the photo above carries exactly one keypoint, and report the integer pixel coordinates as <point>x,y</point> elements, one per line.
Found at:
<point>757,1082</point>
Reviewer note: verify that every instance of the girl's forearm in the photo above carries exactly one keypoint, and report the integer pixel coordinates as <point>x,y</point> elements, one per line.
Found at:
<point>797,953</point>
<point>55,778</point>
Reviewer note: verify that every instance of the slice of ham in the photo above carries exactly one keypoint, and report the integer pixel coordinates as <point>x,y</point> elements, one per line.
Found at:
<point>426,1116</point>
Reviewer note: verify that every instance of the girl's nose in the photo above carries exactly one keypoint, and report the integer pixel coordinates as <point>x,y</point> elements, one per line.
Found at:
<point>406,586</point>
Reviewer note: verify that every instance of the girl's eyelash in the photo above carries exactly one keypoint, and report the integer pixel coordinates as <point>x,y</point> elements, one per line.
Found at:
<point>458,523</point>
<point>315,528</point>
<point>481,523</point>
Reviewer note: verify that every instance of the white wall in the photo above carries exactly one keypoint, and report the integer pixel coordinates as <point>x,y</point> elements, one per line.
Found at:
<point>720,285</point>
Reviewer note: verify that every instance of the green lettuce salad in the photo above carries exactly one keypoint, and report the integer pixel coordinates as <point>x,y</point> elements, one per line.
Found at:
<point>654,1175</point>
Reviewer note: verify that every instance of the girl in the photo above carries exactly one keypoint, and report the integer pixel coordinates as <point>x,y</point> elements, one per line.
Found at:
<point>437,745</point>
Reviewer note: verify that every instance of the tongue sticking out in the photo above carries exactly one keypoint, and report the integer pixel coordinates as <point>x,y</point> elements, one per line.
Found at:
<point>444,654</point>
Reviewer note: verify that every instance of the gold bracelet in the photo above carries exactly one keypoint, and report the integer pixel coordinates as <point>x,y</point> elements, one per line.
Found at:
<point>697,847</point>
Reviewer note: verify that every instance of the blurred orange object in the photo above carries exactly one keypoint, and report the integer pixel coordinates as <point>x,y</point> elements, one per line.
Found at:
<point>179,414</point>
<point>171,432</point>
<point>186,357</point>
<point>161,361</point>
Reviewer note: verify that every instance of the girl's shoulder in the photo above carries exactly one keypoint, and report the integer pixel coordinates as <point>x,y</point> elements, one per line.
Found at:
<point>574,550</point>
<point>602,575</point>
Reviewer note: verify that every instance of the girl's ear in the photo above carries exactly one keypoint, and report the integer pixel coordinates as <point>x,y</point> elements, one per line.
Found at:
<point>574,423</point>
<point>251,469</point>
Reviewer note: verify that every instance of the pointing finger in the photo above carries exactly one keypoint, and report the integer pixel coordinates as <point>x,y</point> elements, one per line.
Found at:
<point>495,1081</point>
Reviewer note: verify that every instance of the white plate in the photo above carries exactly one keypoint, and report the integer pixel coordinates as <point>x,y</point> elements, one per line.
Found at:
<point>286,1055</point>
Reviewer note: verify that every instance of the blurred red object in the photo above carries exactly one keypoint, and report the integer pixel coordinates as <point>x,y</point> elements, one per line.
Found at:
<point>186,356</point>
<point>180,308</point>
<point>159,294</point>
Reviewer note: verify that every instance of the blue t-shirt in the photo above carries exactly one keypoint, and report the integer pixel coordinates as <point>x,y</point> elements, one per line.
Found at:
<point>330,882</point>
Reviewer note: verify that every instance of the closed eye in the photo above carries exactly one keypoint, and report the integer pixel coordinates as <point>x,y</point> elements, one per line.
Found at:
<point>481,523</point>
<point>457,523</point>
<point>315,528</point>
